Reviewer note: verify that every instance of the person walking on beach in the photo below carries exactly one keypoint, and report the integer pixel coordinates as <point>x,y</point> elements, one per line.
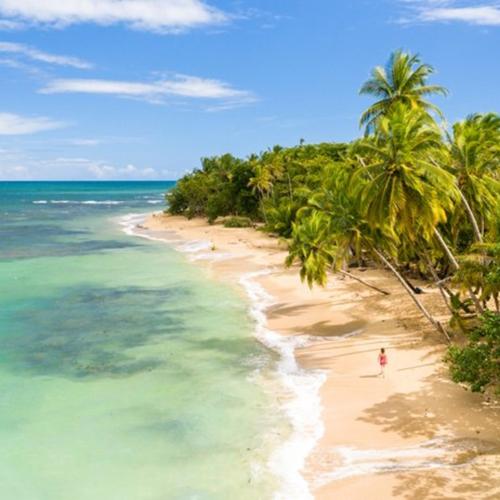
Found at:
<point>382,361</point>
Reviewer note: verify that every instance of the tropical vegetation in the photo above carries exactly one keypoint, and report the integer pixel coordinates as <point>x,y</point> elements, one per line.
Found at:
<point>412,194</point>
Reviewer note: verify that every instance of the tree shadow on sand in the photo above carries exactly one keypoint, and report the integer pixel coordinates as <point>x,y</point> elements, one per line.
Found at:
<point>436,410</point>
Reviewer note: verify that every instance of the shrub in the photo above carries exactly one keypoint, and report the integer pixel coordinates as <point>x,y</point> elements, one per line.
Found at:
<point>238,222</point>
<point>477,364</point>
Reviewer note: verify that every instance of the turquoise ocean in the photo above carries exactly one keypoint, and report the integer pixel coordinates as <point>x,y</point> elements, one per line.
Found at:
<point>125,373</point>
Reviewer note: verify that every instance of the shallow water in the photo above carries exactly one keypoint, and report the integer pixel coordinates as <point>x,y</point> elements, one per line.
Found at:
<point>124,372</point>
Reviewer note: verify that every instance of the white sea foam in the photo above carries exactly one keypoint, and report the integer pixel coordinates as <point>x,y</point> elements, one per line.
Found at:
<point>76,202</point>
<point>303,407</point>
<point>129,225</point>
<point>104,202</point>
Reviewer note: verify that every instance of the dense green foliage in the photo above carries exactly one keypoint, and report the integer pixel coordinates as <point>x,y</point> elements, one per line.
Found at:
<point>219,188</point>
<point>254,187</point>
<point>477,364</point>
<point>418,197</point>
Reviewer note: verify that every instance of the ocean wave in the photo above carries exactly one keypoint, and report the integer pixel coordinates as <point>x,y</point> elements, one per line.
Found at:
<point>105,202</point>
<point>131,223</point>
<point>304,408</point>
<point>76,202</point>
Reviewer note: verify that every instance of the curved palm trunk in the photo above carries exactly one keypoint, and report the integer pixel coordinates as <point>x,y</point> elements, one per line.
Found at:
<point>446,249</point>
<point>472,218</point>
<point>456,265</point>
<point>441,289</point>
<point>418,303</point>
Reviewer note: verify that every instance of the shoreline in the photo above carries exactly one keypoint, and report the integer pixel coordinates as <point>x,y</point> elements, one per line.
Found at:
<point>400,434</point>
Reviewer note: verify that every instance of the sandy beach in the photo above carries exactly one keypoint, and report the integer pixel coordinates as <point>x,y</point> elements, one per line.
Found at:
<point>412,434</point>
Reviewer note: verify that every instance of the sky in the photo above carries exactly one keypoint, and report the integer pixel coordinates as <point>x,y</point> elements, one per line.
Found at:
<point>142,89</point>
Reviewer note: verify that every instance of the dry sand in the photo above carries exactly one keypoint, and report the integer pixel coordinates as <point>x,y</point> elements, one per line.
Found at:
<point>413,434</point>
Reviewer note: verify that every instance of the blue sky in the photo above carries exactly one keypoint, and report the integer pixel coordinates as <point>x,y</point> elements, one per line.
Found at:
<point>142,89</point>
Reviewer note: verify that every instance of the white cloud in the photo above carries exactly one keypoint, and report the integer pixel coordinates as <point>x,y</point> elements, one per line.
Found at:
<point>85,142</point>
<point>14,172</point>
<point>482,15</point>
<point>153,15</point>
<point>39,55</point>
<point>180,86</point>
<point>8,25</point>
<point>11,124</point>
<point>107,172</point>
<point>486,13</point>
<point>17,165</point>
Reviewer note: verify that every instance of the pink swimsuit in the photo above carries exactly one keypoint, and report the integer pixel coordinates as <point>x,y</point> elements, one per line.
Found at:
<point>382,359</point>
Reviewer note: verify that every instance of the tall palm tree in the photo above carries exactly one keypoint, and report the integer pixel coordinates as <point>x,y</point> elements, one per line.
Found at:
<point>403,80</point>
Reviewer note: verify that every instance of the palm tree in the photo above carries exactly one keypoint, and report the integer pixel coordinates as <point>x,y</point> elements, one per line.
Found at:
<point>313,245</point>
<point>401,191</point>
<point>400,187</point>
<point>404,80</point>
<point>261,183</point>
<point>474,158</point>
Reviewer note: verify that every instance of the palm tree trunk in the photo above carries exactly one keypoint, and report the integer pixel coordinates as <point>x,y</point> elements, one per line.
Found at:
<point>369,285</point>
<point>419,304</point>
<point>456,265</point>
<point>472,217</point>
<point>264,213</point>
<point>440,287</point>
<point>446,249</point>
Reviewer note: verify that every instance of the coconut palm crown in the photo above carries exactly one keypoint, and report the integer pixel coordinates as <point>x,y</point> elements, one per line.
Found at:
<point>403,80</point>
<point>405,191</point>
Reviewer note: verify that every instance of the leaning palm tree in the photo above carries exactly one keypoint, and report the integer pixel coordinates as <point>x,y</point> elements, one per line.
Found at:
<point>403,80</point>
<point>401,191</point>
